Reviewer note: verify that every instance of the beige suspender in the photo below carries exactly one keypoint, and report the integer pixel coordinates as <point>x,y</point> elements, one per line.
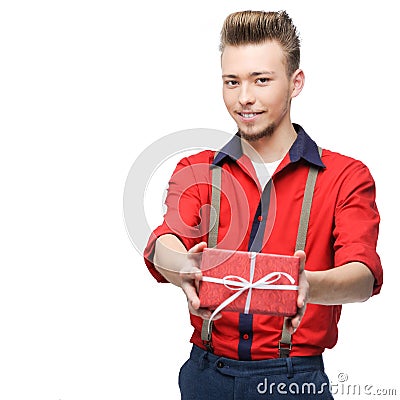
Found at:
<point>206,329</point>
<point>306,207</point>
<point>285,344</point>
<point>215,205</point>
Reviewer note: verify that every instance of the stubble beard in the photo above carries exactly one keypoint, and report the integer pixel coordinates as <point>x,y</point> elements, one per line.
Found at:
<point>252,137</point>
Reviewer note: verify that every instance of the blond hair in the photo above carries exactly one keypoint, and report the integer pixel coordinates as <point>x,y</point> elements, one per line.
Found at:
<point>256,27</point>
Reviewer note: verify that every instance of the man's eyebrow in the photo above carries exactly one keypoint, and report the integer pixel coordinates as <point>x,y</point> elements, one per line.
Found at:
<point>230,76</point>
<point>262,73</point>
<point>256,73</point>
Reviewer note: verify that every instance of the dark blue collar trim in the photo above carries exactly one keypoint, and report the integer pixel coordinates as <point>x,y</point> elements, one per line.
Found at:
<point>233,150</point>
<point>303,147</point>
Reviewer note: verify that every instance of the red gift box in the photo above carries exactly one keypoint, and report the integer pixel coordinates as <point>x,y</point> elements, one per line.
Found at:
<point>254,283</point>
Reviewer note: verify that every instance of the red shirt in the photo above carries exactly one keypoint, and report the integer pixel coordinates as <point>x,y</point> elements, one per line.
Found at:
<point>343,228</point>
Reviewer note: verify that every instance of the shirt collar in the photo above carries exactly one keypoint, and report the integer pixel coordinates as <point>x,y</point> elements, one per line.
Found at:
<point>303,148</point>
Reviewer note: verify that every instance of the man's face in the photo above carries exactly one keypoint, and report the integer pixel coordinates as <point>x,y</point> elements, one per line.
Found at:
<point>256,88</point>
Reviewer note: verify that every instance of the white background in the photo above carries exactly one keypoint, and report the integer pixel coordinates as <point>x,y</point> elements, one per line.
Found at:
<point>86,86</point>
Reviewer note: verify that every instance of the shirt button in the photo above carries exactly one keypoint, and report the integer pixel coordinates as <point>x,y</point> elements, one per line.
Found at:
<point>245,336</point>
<point>260,218</point>
<point>220,364</point>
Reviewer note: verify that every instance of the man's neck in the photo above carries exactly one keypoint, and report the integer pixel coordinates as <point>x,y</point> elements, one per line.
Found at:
<point>270,148</point>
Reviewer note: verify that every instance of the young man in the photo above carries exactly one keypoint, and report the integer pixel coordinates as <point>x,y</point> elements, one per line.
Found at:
<point>246,356</point>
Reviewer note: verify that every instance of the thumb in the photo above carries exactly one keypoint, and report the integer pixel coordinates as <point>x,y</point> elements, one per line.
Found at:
<point>198,248</point>
<point>302,256</point>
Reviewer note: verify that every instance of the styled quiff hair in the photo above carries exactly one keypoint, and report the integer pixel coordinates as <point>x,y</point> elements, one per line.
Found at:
<point>256,27</point>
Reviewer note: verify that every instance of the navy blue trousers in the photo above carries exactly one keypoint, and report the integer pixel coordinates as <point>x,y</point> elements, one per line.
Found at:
<point>206,376</point>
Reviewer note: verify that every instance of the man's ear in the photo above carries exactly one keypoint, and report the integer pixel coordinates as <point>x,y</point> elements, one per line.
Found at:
<point>297,82</point>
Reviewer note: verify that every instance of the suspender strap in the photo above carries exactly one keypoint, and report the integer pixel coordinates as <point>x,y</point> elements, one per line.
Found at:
<point>285,344</point>
<point>215,206</point>
<point>306,208</point>
<point>206,330</point>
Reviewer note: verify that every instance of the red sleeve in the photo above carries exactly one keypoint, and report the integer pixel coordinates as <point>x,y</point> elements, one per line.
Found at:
<point>184,202</point>
<point>357,222</point>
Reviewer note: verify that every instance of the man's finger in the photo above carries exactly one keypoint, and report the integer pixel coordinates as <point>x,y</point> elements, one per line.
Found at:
<point>197,248</point>
<point>191,294</point>
<point>302,256</point>
<point>302,296</point>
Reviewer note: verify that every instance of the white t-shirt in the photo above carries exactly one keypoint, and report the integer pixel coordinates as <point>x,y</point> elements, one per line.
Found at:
<point>264,171</point>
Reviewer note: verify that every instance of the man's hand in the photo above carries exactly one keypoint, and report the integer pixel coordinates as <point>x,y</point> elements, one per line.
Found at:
<point>190,280</point>
<point>293,323</point>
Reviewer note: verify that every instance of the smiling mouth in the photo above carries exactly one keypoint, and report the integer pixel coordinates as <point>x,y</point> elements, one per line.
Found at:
<point>249,115</point>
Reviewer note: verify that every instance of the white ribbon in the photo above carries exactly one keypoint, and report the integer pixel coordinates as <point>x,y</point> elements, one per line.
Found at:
<point>240,284</point>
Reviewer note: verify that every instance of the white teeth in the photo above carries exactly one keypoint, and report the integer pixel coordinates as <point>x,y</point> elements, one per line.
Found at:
<point>248,115</point>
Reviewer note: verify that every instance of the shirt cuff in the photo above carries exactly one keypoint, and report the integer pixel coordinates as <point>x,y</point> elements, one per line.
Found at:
<point>150,248</point>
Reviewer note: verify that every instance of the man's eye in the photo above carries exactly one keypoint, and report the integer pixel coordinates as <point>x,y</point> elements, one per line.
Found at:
<point>231,83</point>
<point>263,81</point>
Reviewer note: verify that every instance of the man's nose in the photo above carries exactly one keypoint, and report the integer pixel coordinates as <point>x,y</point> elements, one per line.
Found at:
<point>246,95</point>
